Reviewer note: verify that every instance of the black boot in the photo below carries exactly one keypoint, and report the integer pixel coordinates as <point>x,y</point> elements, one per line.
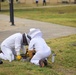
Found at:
<point>1,62</point>
<point>43,62</point>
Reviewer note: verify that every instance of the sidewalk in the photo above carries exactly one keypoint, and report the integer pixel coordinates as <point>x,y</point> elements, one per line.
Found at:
<point>49,30</point>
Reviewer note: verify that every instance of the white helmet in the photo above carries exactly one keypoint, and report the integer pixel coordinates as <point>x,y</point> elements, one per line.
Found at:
<point>35,32</point>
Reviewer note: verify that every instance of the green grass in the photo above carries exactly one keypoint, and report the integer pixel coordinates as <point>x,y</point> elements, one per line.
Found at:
<point>65,60</point>
<point>58,15</point>
<point>63,15</point>
<point>65,48</point>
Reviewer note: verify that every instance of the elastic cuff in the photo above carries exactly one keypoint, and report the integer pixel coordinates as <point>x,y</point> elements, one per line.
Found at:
<point>17,52</point>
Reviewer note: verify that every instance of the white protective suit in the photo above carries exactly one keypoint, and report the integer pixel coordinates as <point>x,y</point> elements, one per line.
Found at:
<point>12,46</point>
<point>40,46</point>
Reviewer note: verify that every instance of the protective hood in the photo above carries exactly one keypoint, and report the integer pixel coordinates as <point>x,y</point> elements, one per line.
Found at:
<point>35,33</point>
<point>26,39</point>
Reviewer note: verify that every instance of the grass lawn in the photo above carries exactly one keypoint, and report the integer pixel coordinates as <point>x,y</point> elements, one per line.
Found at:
<point>65,60</point>
<point>64,47</point>
<point>58,15</point>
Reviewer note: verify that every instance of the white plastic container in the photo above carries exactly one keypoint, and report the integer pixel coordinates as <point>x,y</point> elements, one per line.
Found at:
<point>10,58</point>
<point>53,57</point>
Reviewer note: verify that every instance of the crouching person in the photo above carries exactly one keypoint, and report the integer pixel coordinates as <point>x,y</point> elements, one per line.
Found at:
<point>11,46</point>
<point>39,47</point>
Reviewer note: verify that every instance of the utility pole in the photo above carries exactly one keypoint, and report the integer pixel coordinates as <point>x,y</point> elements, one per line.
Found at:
<point>11,12</point>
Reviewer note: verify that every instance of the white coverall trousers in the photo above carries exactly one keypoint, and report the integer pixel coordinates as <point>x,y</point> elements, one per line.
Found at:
<point>40,55</point>
<point>7,53</point>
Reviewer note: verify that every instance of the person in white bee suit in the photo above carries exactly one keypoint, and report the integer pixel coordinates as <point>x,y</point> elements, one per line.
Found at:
<point>12,45</point>
<point>38,44</point>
